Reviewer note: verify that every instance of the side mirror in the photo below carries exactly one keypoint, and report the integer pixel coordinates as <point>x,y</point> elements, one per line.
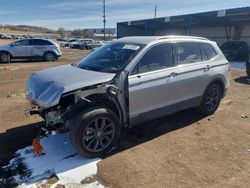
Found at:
<point>12,45</point>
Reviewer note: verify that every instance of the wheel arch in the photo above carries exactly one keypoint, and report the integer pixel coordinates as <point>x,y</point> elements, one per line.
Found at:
<point>108,102</point>
<point>5,51</point>
<point>220,81</point>
<point>100,100</point>
<point>50,51</point>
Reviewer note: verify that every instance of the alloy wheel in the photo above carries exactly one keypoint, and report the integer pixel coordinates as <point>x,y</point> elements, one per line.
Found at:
<point>99,134</point>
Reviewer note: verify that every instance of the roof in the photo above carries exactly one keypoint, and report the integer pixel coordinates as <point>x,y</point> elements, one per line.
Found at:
<point>227,17</point>
<point>148,39</point>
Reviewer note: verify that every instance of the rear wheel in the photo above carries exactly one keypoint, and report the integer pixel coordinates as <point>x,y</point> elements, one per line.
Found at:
<point>95,132</point>
<point>5,57</point>
<point>49,56</point>
<point>211,99</point>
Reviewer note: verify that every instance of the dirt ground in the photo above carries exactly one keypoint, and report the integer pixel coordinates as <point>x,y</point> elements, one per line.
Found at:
<point>181,150</point>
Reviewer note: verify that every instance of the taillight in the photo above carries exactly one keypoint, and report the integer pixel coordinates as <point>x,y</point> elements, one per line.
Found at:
<point>229,68</point>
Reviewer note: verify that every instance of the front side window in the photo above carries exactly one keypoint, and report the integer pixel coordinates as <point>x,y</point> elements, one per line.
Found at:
<point>111,57</point>
<point>156,58</point>
<point>188,52</point>
<point>22,43</point>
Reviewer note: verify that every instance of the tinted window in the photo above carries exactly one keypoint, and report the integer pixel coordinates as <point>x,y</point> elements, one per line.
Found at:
<point>158,57</point>
<point>135,70</point>
<point>41,42</point>
<point>203,53</point>
<point>188,52</point>
<point>209,51</point>
<point>22,43</point>
<point>110,57</point>
<point>228,46</point>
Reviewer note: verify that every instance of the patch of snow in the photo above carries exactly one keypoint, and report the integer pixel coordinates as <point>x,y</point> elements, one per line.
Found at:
<point>238,65</point>
<point>95,184</point>
<point>60,159</point>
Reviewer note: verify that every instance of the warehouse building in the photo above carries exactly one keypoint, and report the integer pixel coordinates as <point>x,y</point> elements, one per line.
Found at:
<point>99,32</point>
<point>219,25</point>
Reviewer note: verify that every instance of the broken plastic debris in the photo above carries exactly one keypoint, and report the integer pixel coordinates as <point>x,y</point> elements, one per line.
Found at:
<point>244,116</point>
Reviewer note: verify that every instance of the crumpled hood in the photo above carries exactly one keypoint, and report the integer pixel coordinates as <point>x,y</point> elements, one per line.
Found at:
<point>46,87</point>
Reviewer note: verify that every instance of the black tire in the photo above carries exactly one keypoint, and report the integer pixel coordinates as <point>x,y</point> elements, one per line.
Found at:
<point>248,69</point>
<point>5,57</point>
<point>49,56</point>
<point>211,99</point>
<point>95,132</point>
<point>82,48</point>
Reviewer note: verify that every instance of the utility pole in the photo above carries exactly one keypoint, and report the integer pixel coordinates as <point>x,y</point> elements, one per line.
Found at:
<point>155,10</point>
<point>104,19</point>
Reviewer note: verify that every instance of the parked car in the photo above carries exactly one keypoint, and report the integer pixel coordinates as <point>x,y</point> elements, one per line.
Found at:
<point>97,44</point>
<point>30,49</point>
<point>127,82</point>
<point>3,36</point>
<point>61,39</point>
<point>67,43</point>
<point>79,42</point>
<point>248,68</point>
<point>86,44</point>
<point>236,50</point>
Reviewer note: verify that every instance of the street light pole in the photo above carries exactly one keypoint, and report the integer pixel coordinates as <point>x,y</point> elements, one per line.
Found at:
<point>104,19</point>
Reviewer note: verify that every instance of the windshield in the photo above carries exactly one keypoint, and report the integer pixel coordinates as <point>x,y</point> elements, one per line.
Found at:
<point>111,57</point>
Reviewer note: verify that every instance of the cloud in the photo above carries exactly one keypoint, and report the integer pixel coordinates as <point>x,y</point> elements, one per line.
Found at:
<point>85,14</point>
<point>6,13</point>
<point>71,5</point>
<point>70,23</point>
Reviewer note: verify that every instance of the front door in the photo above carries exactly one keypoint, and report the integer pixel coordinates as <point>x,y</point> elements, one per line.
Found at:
<point>21,48</point>
<point>150,81</point>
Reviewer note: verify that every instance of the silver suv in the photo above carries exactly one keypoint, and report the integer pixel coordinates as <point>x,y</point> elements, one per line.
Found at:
<point>30,49</point>
<point>126,82</point>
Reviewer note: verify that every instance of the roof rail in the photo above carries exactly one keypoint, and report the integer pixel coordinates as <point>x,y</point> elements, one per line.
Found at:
<point>182,37</point>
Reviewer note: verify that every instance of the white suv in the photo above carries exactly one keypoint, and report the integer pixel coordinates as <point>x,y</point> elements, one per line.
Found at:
<point>33,48</point>
<point>126,82</point>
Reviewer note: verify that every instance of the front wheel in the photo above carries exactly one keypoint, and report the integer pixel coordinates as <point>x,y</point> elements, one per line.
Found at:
<point>5,57</point>
<point>211,99</point>
<point>95,132</point>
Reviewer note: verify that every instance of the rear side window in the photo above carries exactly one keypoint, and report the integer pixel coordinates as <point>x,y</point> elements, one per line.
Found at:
<point>209,51</point>
<point>156,58</point>
<point>188,52</point>
<point>203,53</point>
<point>41,42</point>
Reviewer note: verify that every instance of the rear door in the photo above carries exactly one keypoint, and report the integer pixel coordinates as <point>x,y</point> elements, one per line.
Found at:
<point>39,47</point>
<point>21,48</point>
<point>192,73</point>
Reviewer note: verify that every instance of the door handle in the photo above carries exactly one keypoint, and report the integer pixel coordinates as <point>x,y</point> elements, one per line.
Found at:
<point>207,67</point>
<point>172,75</point>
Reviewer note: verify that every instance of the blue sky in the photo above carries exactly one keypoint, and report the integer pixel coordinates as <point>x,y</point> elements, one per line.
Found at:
<point>74,14</point>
